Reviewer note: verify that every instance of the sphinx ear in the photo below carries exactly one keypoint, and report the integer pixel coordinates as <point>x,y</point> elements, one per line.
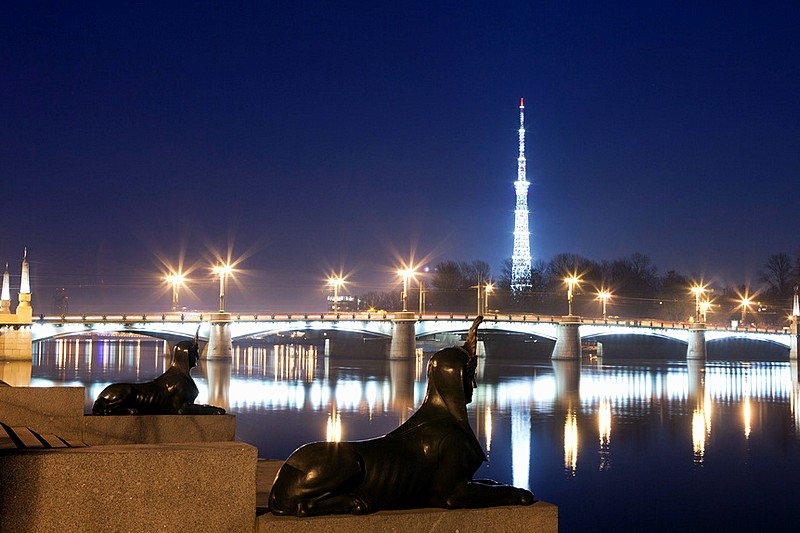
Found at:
<point>470,345</point>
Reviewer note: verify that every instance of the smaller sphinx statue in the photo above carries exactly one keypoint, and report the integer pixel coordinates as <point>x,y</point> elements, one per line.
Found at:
<point>428,461</point>
<point>172,393</point>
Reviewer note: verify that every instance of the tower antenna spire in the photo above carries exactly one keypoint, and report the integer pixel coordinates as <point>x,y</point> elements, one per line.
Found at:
<point>521,258</point>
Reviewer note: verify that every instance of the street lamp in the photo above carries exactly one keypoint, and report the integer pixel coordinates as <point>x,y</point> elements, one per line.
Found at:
<point>407,273</point>
<point>177,280</point>
<point>224,271</point>
<point>335,282</point>
<point>697,290</point>
<point>604,296</point>
<point>487,290</point>
<point>745,302</point>
<point>571,282</point>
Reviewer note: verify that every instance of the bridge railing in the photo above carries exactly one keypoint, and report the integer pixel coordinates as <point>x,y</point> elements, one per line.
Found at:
<point>197,317</point>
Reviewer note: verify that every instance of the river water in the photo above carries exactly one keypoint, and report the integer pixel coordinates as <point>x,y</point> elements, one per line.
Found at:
<point>618,445</point>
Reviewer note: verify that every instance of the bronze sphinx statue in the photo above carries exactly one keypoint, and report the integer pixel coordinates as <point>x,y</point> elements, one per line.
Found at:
<point>428,461</point>
<point>172,393</point>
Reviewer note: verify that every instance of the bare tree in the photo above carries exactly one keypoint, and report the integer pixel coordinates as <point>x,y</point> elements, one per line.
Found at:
<point>476,271</point>
<point>449,286</point>
<point>777,274</point>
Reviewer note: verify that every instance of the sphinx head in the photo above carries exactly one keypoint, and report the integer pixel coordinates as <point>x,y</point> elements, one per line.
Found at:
<point>186,353</point>
<point>451,374</point>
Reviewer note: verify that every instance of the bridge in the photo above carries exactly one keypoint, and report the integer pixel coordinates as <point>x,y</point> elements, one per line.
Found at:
<point>402,330</point>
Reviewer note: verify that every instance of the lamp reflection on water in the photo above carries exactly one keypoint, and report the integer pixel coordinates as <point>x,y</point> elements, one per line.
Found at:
<point>746,416</point>
<point>334,426</point>
<point>794,397</point>
<point>521,445</point>
<point>487,428</point>
<point>698,436</point>
<point>571,442</point>
<point>604,428</point>
<point>293,362</point>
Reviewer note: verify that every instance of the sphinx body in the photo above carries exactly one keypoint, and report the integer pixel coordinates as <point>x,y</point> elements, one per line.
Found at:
<point>173,392</point>
<point>428,461</point>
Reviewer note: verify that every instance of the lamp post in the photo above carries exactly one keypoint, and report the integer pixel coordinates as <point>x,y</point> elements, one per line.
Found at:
<point>479,301</point>
<point>697,290</point>
<point>571,282</point>
<point>335,282</point>
<point>421,297</point>
<point>487,290</point>
<point>224,271</point>
<point>704,307</point>
<point>407,274</point>
<point>604,297</point>
<point>176,280</point>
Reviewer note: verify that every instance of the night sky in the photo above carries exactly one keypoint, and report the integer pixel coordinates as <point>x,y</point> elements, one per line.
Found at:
<point>312,137</point>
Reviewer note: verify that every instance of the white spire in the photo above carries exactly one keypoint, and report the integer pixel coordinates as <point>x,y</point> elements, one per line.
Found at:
<point>24,282</point>
<point>521,258</point>
<point>5,295</point>
<point>796,304</point>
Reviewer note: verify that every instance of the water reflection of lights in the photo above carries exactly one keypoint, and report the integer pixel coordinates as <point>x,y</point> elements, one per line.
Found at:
<point>698,435</point>
<point>571,442</point>
<point>293,378</point>
<point>487,428</point>
<point>334,427</point>
<point>701,428</point>
<point>746,415</point>
<point>794,397</point>
<point>371,396</point>
<point>294,362</point>
<point>604,428</point>
<point>520,445</point>
<point>723,382</point>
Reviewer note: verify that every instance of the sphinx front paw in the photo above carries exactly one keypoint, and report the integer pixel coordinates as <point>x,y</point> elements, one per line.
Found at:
<point>359,506</point>
<point>524,497</point>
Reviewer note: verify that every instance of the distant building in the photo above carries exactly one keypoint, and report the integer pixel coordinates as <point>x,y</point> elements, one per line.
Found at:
<point>345,304</point>
<point>59,304</point>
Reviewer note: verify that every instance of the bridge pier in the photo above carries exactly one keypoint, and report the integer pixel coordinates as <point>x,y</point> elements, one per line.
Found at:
<point>15,342</point>
<point>220,345</point>
<point>794,339</point>
<point>568,339</point>
<point>697,342</point>
<point>404,342</point>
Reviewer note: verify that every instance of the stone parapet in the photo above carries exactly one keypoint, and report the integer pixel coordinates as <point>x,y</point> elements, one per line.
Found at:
<point>56,410</point>
<point>198,487</point>
<point>540,517</point>
<point>153,429</point>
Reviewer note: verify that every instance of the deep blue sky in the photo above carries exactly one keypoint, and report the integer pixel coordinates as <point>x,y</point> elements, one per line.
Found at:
<point>317,135</point>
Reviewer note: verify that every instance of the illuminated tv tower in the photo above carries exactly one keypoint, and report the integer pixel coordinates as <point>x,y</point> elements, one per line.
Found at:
<point>521,258</point>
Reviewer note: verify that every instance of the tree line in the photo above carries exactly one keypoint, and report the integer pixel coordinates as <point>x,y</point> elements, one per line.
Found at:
<point>637,288</point>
